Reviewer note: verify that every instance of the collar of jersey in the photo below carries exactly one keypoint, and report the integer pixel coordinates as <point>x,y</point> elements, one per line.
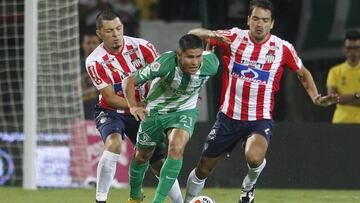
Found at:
<point>114,53</point>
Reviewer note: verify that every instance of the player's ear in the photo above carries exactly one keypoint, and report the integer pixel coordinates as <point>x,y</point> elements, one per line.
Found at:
<point>178,54</point>
<point>98,33</point>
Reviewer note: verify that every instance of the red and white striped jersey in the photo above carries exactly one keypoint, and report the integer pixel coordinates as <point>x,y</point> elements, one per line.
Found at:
<point>252,72</point>
<point>107,68</point>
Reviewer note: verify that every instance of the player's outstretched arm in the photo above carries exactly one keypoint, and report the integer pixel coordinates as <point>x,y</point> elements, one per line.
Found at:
<point>128,86</point>
<point>205,34</point>
<point>307,81</point>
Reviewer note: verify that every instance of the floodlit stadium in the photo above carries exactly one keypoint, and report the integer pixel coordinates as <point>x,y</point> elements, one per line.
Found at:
<point>49,144</point>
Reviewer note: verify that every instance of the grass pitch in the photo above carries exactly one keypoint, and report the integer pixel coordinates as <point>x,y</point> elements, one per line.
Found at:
<point>221,195</point>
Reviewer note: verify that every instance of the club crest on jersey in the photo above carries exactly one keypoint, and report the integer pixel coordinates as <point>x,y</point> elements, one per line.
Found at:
<point>136,62</point>
<point>269,58</point>
<point>253,75</point>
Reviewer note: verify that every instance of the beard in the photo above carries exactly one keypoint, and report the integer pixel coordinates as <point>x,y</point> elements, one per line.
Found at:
<point>116,47</point>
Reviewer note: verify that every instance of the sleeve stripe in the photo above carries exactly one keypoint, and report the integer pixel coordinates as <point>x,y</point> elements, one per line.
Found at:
<point>148,54</point>
<point>100,71</point>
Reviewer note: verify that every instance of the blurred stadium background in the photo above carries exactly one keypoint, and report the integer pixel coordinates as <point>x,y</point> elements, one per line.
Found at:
<point>42,82</point>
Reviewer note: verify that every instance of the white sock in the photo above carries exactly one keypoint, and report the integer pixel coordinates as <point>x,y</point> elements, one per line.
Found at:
<point>175,192</point>
<point>105,174</point>
<point>193,186</point>
<point>252,176</point>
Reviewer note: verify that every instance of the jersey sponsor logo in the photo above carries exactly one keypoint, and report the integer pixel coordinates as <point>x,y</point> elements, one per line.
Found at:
<point>197,83</point>
<point>131,51</point>
<point>179,92</point>
<point>155,66</point>
<point>117,87</point>
<point>251,64</point>
<point>107,62</point>
<point>271,47</point>
<point>249,74</point>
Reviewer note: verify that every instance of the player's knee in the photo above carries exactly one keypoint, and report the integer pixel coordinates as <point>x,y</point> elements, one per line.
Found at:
<point>202,172</point>
<point>204,169</point>
<point>142,157</point>
<point>254,161</point>
<point>113,143</point>
<point>176,152</point>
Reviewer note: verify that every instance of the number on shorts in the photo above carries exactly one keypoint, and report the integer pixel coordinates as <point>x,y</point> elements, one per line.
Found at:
<point>186,120</point>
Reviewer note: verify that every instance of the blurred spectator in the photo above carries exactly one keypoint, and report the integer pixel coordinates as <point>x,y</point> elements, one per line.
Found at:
<point>88,43</point>
<point>148,9</point>
<point>129,15</point>
<point>344,79</point>
<point>172,10</point>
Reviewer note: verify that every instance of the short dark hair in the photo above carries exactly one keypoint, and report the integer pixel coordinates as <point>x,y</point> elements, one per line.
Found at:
<point>190,41</point>
<point>264,4</point>
<point>107,14</point>
<point>352,35</point>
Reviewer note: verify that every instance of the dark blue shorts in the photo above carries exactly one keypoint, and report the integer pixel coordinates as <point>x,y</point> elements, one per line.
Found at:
<point>109,121</point>
<point>227,132</point>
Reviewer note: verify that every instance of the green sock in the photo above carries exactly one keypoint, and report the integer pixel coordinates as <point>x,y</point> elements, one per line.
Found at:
<point>168,174</point>
<point>136,177</point>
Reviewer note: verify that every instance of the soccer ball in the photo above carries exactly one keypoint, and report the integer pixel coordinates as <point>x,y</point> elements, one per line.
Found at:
<point>202,199</point>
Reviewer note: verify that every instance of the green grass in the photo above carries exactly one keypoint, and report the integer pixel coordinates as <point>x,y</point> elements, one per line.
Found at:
<point>221,195</point>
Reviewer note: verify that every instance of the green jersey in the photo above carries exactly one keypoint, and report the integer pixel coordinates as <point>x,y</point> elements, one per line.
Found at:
<point>172,90</point>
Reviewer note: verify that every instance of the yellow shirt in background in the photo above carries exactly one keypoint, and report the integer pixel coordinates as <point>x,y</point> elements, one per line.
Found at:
<point>346,80</point>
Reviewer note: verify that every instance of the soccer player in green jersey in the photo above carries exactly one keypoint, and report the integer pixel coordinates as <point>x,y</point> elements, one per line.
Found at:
<point>170,112</point>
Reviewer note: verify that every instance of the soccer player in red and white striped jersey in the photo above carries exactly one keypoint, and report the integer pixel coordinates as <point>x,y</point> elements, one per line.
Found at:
<point>254,61</point>
<point>114,59</point>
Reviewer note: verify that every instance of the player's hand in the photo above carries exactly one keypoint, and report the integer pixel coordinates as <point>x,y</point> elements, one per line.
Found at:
<point>326,100</point>
<point>141,103</point>
<point>220,37</point>
<point>139,113</point>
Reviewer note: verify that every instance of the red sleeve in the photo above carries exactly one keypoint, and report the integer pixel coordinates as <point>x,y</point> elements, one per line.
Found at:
<point>97,74</point>
<point>149,52</point>
<point>225,49</point>
<point>290,58</point>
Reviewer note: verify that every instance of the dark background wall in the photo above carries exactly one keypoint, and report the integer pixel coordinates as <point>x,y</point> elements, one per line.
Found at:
<point>301,155</point>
